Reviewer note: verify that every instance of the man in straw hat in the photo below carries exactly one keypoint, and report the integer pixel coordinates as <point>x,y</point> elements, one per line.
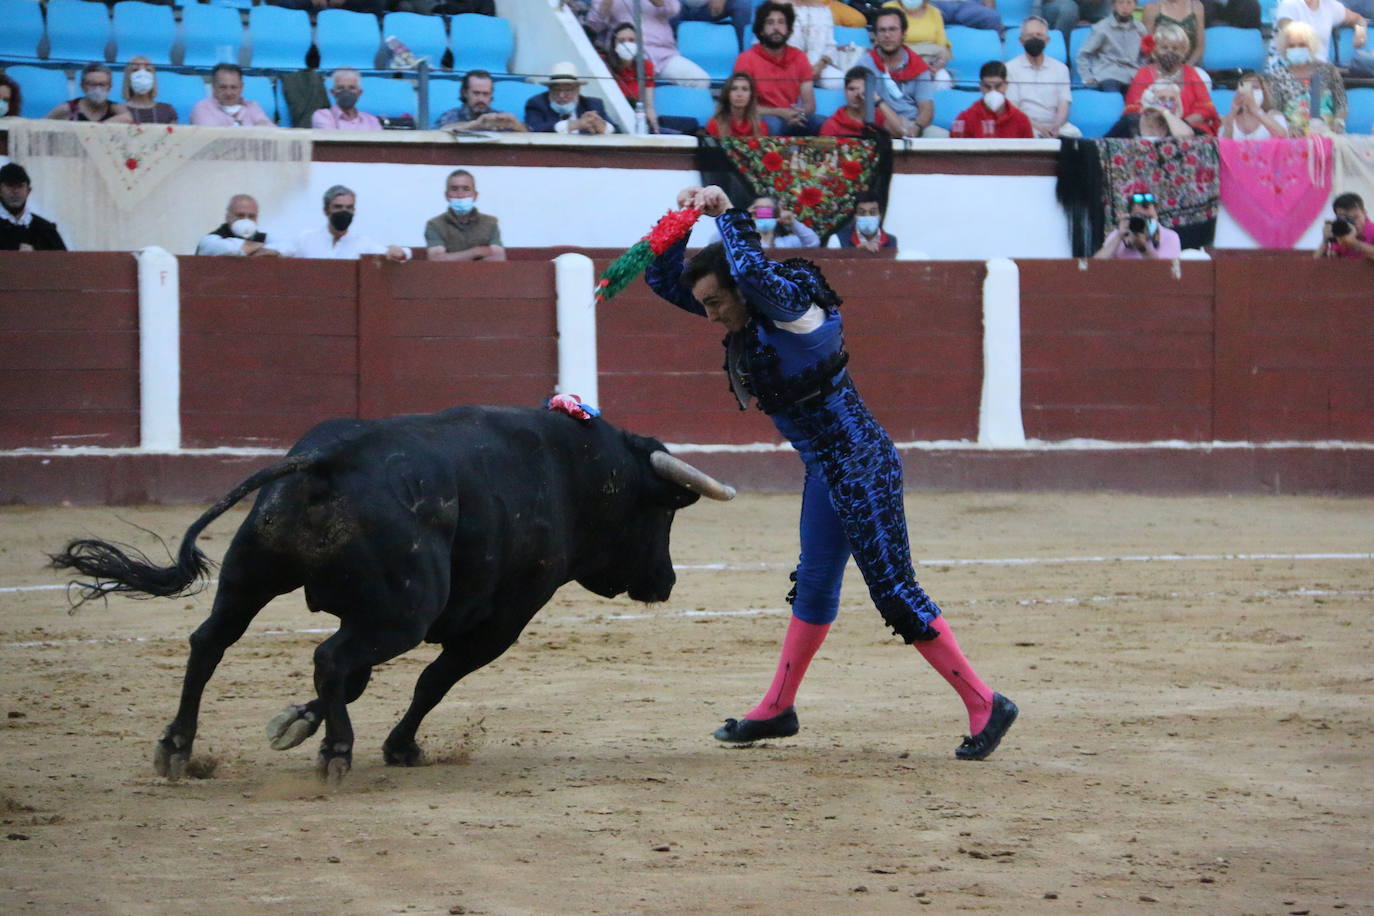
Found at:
<point>563,109</point>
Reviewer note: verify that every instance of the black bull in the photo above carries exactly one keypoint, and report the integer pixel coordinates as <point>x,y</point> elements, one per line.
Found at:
<point>453,528</point>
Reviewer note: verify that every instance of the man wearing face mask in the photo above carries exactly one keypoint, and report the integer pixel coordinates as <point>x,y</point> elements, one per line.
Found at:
<point>334,240</point>
<point>563,109</point>
<point>344,113</point>
<point>240,235</point>
<point>94,104</point>
<point>460,233</point>
<point>992,116</point>
<point>1138,235</point>
<point>20,228</point>
<point>228,108</point>
<point>1039,85</point>
<point>865,230</point>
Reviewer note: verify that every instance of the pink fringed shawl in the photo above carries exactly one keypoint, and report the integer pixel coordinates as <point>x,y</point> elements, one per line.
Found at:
<point>1275,188</point>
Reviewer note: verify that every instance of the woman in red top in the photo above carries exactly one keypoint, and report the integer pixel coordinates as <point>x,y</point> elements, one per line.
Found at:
<point>737,111</point>
<point>1195,102</point>
<point>621,48</point>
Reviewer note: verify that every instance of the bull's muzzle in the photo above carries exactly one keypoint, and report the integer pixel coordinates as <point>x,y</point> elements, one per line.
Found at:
<point>683,474</point>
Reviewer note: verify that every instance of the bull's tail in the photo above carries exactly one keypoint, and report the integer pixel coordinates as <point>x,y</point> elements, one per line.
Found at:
<point>120,568</point>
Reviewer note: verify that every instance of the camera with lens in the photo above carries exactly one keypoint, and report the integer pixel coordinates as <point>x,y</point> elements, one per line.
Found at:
<point>1340,226</point>
<point>1137,224</point>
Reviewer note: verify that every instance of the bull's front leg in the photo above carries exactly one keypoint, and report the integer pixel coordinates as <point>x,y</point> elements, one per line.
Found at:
<point>297,722</point>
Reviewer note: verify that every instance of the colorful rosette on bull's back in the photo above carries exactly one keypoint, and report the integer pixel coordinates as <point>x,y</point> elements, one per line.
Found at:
<point>669,230</point>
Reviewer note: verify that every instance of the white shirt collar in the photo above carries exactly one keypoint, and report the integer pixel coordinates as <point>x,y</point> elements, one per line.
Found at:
<point>23,219</point>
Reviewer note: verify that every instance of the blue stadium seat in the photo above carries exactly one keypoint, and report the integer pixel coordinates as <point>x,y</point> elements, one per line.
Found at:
<point>1360,116</point>
<point>1094,112</point>
<point>712,47</point>
<point>510,96</point>
<point>280,37</point>
<point>1230,48</point>
<point>684,102</point>
<point>44,89</point>
<point>262,90</point>
<point>388,97</point>
<point>23,29</point>
<point>1014,12</point>
<point>77,30</point>
<point>1221,98</point>
<point>347,39</point>
<point>481,43</point>
<point>182,91</point>
<point>423,35</point>
<point>144,30</point>
<point>211,35</point>
<point>827,101</point>
<point>1057,47</point>
<point>852,35</point>
<point>971,49</point>
<point>1076,39</point>
<point>1343,46</point>
<point>949,103</point>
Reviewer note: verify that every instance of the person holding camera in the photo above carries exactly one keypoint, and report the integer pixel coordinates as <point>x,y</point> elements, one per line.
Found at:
<point>1350,234</point>
<point>1139,234</point>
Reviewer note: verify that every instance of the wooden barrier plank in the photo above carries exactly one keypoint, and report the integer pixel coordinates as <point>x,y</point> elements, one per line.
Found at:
<point>230,391</point>
<point>54,428</point>
<point>262,428</point>
<point>462,280</point>
<point>427,394</point>
<point>478,318</point>
<point>306,316</point>
<point>440,356</point>
<point>268,278</point>
<point>1113,352</point>
<point>1123,424</point>
<point>37,350</point>
<point>298,355</point>
<point>1053,387</point>
<point>77,272</point>
<point>69,390</point>
<point>45,310</point>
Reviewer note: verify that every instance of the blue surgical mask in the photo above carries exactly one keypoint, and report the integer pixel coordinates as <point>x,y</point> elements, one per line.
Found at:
<point>1298,55</point>
<point>564,108</point>
<point>766,224</point>
<point>1152,225</point>
<point>462,205</point>
<point>867,225</point>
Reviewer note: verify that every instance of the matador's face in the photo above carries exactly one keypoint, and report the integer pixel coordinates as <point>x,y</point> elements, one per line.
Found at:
<point>723,304</point>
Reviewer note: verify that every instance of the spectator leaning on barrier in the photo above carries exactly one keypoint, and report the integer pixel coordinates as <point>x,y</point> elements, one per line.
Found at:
<point>904,84</point>
<point>475,113</point>
<point>227,107</point>
<point>461,233</point>
<point>11,98</point>
<point>1138,235</point>
<point>333,240</point>
<point>344,114</point>
<point>1110,57</point>
<point>1039,85</point>
<point>240,235</point>
<point>20,228</point>
<point>140,95</point>
<point>1350,234</point>
<point>992,116</point>
<point>94,103</point>
<point>864,230</point>
<point>563,109</point>
<point>782,74</point>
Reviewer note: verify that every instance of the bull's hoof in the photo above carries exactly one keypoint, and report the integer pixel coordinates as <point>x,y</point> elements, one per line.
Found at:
<point>332,765</point>
<point>291,726</point>
<point>169,761</point>
<point>403,755</point>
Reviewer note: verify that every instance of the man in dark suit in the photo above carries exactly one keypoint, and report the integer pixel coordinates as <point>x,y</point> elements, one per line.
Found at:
<point>563,109</point>
<point>21,229</point>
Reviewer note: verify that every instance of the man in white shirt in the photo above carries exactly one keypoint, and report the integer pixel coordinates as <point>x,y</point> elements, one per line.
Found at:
<point>334,240</point>
<point>1039,85</point>
<point>1322,16</point>
<point>240,236</point>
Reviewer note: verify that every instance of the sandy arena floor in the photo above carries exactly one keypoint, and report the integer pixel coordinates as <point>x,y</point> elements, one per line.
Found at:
<point>1194,738</point>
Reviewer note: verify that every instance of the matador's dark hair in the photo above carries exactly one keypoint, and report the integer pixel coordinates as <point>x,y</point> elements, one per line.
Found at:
<point>707,261</point>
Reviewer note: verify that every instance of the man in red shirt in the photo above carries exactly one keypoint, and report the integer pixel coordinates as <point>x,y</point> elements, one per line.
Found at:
<point>849,119</point>
<point>782,73</point>
<point>992,116</point>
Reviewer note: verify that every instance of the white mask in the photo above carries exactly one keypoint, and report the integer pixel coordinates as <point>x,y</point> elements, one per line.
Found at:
<point>4,107</point>
<point>141,81</point>
<point>244,228</point>
<point>626,50</point>
<point>231,110</point>
<point>994,100</point>
<point>1259,96</point>
<point>564,108</point>
<point>913,4</point>
<point>97,95</point>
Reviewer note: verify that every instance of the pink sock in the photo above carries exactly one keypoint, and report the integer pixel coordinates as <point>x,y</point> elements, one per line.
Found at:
<point>798,647</point>
<point>944,656</point>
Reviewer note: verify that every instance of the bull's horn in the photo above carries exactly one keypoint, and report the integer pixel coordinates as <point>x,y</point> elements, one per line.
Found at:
<point>684,475</point>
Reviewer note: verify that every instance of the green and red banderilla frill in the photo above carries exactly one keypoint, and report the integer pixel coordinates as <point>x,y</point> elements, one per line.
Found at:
<point>669,230</point>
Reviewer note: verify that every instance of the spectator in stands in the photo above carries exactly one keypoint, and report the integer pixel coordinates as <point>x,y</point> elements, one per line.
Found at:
<point>1138,235</point>
<point>227,107</point>
<point>850,119</point>
<point>971,13</point>
<point>924,31</point>
<point>1324,16</point>
<point>992,116</point>
<point>737,110</point>
<point>1110,56</point>
<point>847,16</point>
<point>1038,84</point>
<point>1301,80</point>
<point>1351,234</point>
<point>782,74</point>
<point>20,228</point>
<point>333,240</point>
<point>344,113</point>
<point>1189,16</point>
<point>621,50</point>
<point>1159,112</point>
<point>475,112</point>
<point>905,87</point>
<point>563,109</point>
<point>240,235</point>
<point>140,95</point>
<point>781,228</point>
<point>1254,113</point>
<point>660,44</point>
<point>376,7</point>
<point>11,98</point>
<point>864,229</point>
<point>461,233</point>
<point>735,12</point>
<point>1166,63</point>
<point>94,103</point>
<point>813,33</point>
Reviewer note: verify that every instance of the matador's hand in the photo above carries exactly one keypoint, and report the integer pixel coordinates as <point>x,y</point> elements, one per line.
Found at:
<point>686,196</point>
<point>712,201</point>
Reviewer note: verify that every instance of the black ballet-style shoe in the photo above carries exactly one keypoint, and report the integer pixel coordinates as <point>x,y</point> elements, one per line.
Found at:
<point>744,731</point>
<point>985,742</point>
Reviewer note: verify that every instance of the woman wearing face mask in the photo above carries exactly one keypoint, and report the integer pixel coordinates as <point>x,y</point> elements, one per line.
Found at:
<point>11,99</point>
<point>1187,15</point>
<point>1254,113</point>
<point>94,104</point>
<point>140,92</point>
<point>781,229</point>
<point>1308,91</point>
<point>1159,112</point>
<point>1167,63</point>
<point>737,110</point>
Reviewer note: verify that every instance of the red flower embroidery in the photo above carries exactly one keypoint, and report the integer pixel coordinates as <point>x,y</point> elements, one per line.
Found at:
<point>753,143</point>
<point>781,182</point>
<point>131,163</point>
<point>851,168</point>
<point>772,160</point>
<point>809,197</point>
